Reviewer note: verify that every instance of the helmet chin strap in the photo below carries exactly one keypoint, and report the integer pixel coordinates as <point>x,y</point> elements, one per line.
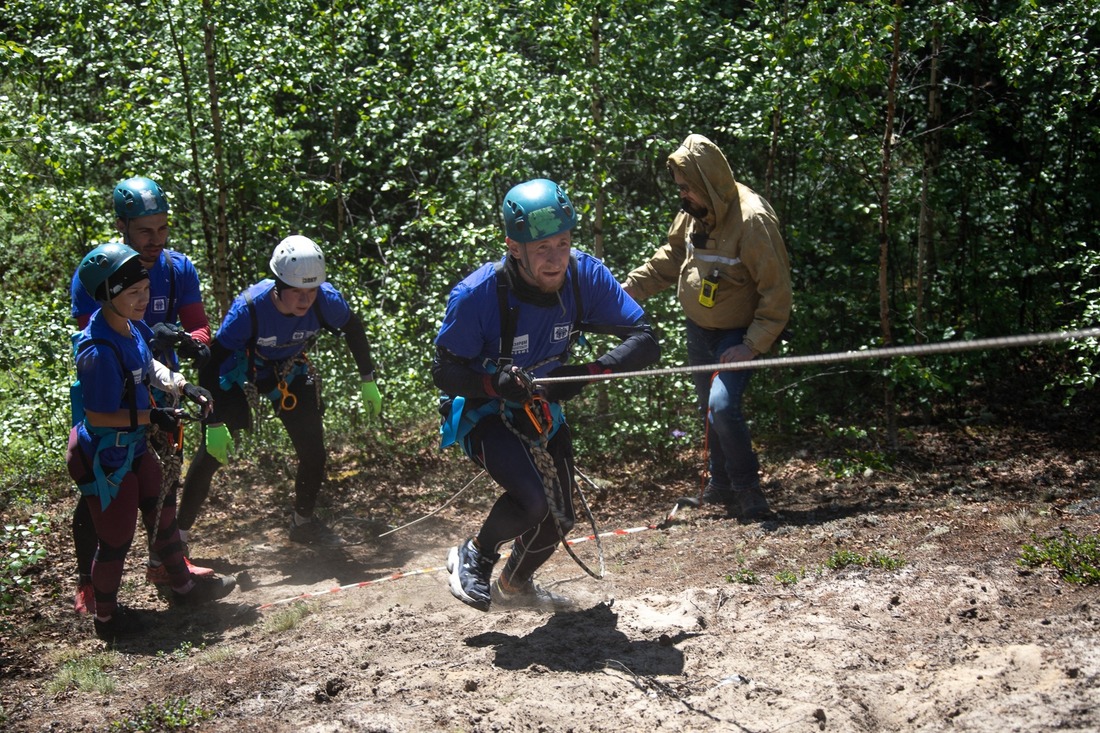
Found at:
<point>525,263</point>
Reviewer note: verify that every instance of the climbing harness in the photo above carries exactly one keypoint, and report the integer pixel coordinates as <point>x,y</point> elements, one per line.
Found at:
<point>286,371</point>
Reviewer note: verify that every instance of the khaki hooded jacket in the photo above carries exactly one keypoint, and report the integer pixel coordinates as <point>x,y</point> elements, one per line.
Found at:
<point>743,250</point>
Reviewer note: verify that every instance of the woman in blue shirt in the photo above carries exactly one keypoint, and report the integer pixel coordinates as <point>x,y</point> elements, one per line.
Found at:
<point>107,454</point>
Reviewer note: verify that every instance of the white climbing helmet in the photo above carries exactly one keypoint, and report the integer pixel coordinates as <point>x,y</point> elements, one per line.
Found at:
<point>299,262</point>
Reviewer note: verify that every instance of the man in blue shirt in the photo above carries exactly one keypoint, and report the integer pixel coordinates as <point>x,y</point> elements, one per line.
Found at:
<point>506,325</point>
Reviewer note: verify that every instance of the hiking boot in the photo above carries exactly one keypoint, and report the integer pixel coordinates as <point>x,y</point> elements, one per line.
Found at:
<point>470,572</point>
<point>314,533</point>
<point>205,590</point>
<point>722,495</point>
<point>530,595</point>
<point>123,622</point>
<point>158,575</point>
<point>752,506</point>
<point>84,600</point>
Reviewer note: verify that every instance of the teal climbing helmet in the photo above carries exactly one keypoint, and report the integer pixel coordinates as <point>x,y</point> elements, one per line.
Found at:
<point>139,196</point>
<point>537,209</point>
<point>109,269</point>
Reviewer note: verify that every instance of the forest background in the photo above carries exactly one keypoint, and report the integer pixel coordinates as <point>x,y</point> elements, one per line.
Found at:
<point>933,166</point>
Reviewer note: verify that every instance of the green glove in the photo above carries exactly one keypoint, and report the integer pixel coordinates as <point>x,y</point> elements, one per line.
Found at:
<point>372,398</point>
<point>218,442</point>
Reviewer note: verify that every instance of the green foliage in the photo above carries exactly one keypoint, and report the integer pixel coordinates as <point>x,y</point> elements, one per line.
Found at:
<point>22,549</point>
<point>877,559</point>
<point>788,577</point>
<point>861,460</point>
<point>1077,559</point>
<point>35,374</point>
<point>289,617</point>
<point>174,714</point>
<point>393,129</point>
<point>844,558</point>
<point>885,561</point>
<point>744,576</point>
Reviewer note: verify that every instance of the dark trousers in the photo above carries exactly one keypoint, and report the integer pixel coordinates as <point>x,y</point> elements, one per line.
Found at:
<point>522,513</point>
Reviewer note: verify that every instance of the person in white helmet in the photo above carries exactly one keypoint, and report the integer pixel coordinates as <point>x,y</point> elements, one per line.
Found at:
<point>261,346</point>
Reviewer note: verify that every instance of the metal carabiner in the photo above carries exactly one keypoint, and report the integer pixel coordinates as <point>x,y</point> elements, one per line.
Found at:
<point>288,401</point>
<point>538,412</point>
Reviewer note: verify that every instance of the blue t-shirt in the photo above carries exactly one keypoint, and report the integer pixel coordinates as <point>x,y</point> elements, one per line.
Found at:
<point>170,265</point>
<point>472,329</point>
<point>102,380</point>
<point>278,336</point>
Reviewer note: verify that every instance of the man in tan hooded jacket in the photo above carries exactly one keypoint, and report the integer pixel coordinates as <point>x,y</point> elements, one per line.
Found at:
<point>728,261</point>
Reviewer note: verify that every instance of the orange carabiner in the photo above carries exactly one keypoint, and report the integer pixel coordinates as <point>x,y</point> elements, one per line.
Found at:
<point>288,401</point>
<point>538,412</point>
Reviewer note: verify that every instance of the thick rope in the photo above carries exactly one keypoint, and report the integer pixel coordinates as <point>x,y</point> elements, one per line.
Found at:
<point>943,347</point>
<point>544,462</point>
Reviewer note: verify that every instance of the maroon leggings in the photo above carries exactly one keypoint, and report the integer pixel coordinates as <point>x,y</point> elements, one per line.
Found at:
<point>114,526</point>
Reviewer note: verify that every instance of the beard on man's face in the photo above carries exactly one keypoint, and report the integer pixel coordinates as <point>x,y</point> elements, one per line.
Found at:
<point>699,212</point>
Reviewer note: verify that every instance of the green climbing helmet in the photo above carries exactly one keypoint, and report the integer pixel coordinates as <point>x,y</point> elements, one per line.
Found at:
<point>537,209</point>
<point>109,269</point>
<point>139,196</point>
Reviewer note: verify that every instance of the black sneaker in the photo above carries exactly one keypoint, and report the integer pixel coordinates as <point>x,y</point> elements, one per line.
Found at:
<point>123,622</point>
<point>471,571</point>
<point>206,589</point>
<point>752,506</point>
<point>315,533</point>
<point>722,495</point>
<point>530,595</point>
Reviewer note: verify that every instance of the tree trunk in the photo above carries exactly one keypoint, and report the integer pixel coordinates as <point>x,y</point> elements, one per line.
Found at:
<point>219,263</point>
<point>928,172</point>
<point>884,226</point>
<point>193,134</point>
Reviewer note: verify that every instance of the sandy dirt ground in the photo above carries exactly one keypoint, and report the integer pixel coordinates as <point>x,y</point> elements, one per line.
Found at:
<point>700,623</point>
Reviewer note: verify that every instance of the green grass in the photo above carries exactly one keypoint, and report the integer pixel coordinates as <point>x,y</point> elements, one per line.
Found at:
<point>289,617</point>
<point>86,674</point>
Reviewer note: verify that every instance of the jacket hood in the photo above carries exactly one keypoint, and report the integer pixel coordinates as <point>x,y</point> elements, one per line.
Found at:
<point>705,168</point>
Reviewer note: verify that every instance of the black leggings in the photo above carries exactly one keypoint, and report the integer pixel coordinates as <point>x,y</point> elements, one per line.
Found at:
<point>522,512</point>
<point>303,424</point>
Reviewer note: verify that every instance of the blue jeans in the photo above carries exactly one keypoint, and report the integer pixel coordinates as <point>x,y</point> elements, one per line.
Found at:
<point>733,463</point>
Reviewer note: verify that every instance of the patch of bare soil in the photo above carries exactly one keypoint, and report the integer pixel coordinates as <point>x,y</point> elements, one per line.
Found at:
<point>960,637</point>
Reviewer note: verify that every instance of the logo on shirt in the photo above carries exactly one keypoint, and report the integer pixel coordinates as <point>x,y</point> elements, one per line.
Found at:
<point>267,341</point>
<point>159,304</point>
<point>521,344</point>
<point>561,332</point>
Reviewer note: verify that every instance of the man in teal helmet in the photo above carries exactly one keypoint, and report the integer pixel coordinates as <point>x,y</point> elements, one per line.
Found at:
<point>506,325</point>
<point>175,313</point>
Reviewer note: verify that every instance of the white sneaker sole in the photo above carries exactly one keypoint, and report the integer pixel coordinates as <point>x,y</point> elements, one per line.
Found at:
<point>453,566</point>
